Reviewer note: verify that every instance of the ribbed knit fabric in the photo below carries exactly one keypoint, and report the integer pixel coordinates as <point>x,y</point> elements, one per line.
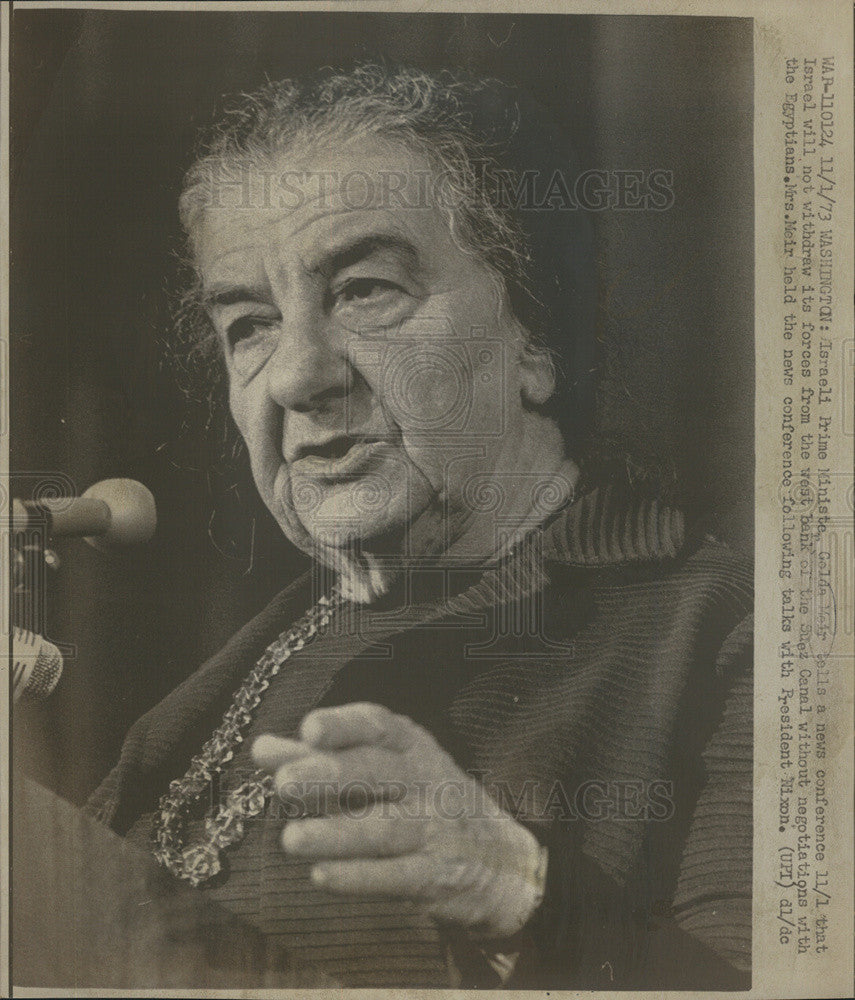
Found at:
<point>606,653</point>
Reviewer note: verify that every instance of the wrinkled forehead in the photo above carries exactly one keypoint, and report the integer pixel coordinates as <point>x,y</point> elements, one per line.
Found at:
<point>303,196</point>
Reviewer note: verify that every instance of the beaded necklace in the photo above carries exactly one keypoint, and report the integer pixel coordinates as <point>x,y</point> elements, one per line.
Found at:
<point>198,862</point>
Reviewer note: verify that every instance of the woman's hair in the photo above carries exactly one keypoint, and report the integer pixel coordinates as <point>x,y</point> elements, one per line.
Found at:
<point>481,137</point>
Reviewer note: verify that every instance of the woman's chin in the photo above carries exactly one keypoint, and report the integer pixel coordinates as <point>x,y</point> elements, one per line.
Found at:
<point>369,534</point>
<point>347,519</point>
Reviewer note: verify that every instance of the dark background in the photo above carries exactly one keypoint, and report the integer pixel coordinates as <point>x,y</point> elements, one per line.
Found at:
<point>104,111</point>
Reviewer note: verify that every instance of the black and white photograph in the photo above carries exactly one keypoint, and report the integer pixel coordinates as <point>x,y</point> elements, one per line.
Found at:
<point>382,500</point>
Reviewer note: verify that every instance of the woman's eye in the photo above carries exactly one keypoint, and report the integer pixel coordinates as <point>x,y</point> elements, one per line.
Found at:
<point>363,289</point>
<point>244,328</point>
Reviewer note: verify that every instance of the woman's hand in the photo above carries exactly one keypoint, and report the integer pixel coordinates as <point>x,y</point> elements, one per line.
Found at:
<point>396,816</point>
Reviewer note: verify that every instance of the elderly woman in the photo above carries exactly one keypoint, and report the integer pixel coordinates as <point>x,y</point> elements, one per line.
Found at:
<point>510,739</point>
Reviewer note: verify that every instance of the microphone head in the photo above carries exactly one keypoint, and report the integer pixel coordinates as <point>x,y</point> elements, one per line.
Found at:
<point>36,665</point>
<point>133,515</point>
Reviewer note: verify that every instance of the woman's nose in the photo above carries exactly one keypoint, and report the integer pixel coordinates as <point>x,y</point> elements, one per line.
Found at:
<point>307,371</point>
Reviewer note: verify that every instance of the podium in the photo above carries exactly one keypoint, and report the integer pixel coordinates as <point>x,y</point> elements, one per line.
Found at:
<point>90,911</point>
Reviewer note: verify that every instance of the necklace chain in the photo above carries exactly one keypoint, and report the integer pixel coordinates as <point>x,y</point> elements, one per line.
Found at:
<point>198,862</point>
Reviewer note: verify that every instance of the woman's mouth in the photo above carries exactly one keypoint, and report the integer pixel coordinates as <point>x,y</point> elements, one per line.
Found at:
<point>338,458</point>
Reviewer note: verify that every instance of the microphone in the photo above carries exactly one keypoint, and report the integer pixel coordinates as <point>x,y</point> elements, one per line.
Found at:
<point>36,665</point>
<point>111,512</point>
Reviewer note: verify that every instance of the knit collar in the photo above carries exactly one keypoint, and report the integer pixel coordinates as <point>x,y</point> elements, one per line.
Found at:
<point>612,525</point>
<point>608,526</point>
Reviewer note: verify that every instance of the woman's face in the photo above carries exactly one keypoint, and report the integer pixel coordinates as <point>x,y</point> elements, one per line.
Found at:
<point>375,368</point>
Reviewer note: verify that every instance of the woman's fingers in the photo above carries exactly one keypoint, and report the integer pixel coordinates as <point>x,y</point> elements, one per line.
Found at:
<point>373,835</point>
<point>271,752</point>
<point>325,782</point>
<point>358,723</point>
<point>413,876</point>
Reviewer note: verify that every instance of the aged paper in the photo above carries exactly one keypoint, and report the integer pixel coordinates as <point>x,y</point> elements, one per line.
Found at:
<point>800,260</point>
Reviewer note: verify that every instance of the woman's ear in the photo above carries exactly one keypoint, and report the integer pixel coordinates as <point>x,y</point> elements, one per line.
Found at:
<point>537,374</point>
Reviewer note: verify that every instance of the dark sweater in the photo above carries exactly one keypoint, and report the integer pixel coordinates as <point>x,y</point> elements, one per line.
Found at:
<point>597,680</point>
